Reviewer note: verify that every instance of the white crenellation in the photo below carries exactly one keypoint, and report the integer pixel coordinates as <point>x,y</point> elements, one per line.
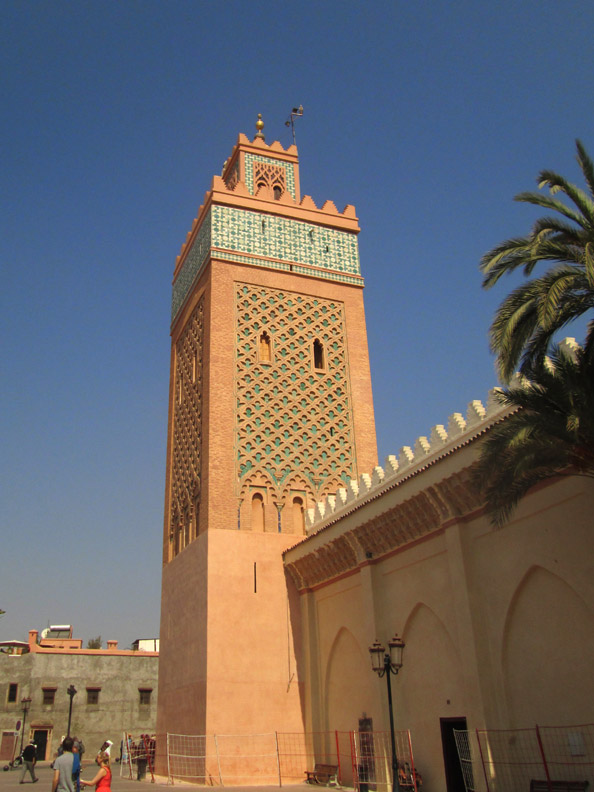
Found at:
<point>422,447</point>
<point>378,476</point>
<point>405,458</point>
<point>493,400</point>
<point>456,425</point>
<point>570,346</point>
<point>475,414</point>
<point>364,483</point>
<point>320,510</point>
<point>341,497</point>
<point>352,490</point>
<point>438,437</point>
<point>390,466</point>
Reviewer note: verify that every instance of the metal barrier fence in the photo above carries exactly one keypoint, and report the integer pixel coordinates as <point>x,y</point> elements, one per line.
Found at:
<point>372,762</point>
<point>137,755</point>
<point>538,759</point>
<point>362,759</point>
<point>467,761</point>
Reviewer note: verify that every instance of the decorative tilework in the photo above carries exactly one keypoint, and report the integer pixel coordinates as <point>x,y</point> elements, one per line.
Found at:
<point>287,167</point>
<point>285,239</point>
<point>287,244</point>
<point>191,266</point>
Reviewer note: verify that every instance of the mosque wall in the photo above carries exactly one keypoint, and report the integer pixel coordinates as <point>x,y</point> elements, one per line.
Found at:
<point>498,623</point>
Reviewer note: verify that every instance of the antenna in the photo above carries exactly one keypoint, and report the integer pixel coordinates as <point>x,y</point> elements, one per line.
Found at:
<point>296,112</point>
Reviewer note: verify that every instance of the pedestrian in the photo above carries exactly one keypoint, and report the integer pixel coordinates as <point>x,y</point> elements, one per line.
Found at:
<point>77,758</point>
<point>29,761</point>
<point>62,780</point>
<point>78,743</point>
<point>102,780</point>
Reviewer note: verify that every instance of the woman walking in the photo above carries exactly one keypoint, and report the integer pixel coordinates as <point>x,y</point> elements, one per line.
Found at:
<point>102,781</point>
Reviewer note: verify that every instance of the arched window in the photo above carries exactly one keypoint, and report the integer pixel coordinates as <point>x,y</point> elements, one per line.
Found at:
<point>257,512</point>
<point>265,348</point>
<point>278,191</point>
<point>298,515</point>
<point>318,352</point>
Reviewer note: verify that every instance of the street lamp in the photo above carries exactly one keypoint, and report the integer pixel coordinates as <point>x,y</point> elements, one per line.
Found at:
<point>25,703</point>
<point>385,664</point>
<point>72,693</point>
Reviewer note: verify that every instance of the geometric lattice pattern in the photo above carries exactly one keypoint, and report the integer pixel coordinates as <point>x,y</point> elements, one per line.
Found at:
<point>268,175</point>
<point>187,432</point>
<point>292,387</point>
<point>256,165</point>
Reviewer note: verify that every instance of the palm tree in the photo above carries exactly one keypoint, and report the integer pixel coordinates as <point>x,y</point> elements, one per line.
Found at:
<point>527,320</point>
<point>549,433</point>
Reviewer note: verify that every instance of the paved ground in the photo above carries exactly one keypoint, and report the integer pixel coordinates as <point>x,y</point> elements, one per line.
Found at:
<point>9,782</point>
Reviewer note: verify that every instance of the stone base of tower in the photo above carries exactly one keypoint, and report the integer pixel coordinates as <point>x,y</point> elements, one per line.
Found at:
<point>229,649</point>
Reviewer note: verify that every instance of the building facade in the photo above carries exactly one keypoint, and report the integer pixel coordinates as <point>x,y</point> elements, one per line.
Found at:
<point>287,550</point>
<point>498,624</point>
<point>270,409</point>
<point>116,691</point>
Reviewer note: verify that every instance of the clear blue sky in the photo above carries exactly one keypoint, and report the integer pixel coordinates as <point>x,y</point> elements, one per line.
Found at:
<point>427,116</point>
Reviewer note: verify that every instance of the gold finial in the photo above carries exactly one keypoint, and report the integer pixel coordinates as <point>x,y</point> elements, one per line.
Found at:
<point>260,127</point>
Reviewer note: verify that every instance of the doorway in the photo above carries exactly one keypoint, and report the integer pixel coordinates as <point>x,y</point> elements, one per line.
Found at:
<point>451,760</point>
<point>40,739</point>
<point>8,744</point>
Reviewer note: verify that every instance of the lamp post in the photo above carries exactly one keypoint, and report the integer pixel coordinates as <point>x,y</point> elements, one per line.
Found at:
<point>72,693</point>
<point>25,703</point>
<point>385,664</point>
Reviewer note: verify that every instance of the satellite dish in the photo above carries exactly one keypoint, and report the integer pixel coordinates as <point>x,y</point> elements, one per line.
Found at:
<point>44,633</point>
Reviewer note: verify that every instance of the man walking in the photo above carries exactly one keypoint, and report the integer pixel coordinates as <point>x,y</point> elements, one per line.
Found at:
<point>62,781</point>
<point>29,759</point>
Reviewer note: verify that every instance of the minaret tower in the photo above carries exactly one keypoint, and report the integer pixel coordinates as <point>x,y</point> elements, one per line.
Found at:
<point>270,409</point>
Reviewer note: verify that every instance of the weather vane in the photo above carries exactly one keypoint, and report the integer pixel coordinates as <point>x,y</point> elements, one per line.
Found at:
<point>296,112</point>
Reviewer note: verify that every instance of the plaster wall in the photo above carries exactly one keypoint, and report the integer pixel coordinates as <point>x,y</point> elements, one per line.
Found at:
<point>118,710</point>
<point>498,624</point>
<point>183,642</point>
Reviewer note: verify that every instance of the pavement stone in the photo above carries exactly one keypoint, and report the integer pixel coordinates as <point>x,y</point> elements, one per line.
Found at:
<point>9,781</point>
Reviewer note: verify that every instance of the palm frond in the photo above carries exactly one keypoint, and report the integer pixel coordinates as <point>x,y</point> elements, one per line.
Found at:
<point>505,258</point>
<point>586,166</point>
<point>589,264</point>
<point>557,183</point>
<point>558,206</point>
<point>550,431</point>
<point>545,227</point>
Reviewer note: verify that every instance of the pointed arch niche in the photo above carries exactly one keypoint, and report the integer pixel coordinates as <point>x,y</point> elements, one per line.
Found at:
<point>430,685</point>
<point>257,511</point>
<point>547,651</point>
<point>349,682</point>
<point>351,686</point>
<point>264,347</point>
